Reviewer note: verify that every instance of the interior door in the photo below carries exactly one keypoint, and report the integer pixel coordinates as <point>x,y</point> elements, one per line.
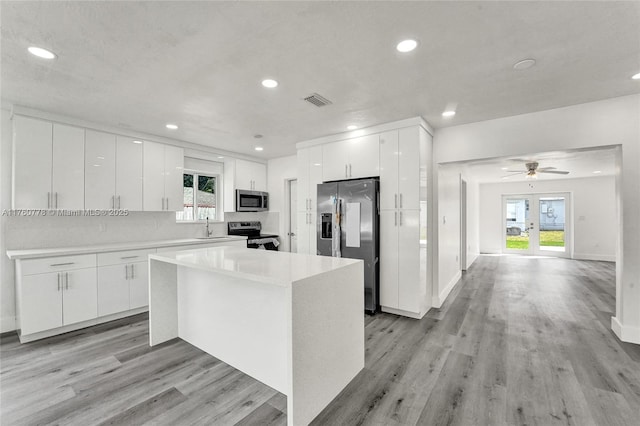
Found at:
<point>293,217</point>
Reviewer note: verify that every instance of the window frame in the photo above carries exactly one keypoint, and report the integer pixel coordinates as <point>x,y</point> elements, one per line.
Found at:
<point>218,197</point>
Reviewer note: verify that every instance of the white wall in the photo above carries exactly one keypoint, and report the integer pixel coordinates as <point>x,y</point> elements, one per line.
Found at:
<point>610,122</point>
<point>593,213</point>
<point>279,170</point>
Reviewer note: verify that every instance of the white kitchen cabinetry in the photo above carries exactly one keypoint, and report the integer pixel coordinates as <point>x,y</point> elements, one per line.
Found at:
<point>250,175</point>
<point>56,292</point>
<point>113,172</point>
<point>351,159</point>
<point>310,167</point>
<point>122,281</point>
<point>48,165</point>
<point>162,177</point>
<point>403,165</point>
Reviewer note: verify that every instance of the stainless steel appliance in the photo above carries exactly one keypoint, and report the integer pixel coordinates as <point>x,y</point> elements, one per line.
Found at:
<point>348,219</point>
<point>251,201</point>
<point>255,238</point>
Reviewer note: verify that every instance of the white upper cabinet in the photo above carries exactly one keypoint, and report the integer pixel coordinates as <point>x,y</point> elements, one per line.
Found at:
<point>351,159</point>
<point>162,177</point>
<point>400,169</point>
<point>128,194</point>
<point>32,163</point>
<point>48,165</point>
<point>250,175</point>
<point>100,170</point>
<point>68,167</point>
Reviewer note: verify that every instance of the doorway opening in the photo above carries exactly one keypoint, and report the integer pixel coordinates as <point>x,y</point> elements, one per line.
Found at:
<point>537,224</point>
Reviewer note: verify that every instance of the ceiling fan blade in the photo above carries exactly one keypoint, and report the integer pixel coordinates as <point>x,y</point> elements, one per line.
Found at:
<point>513,174</point>
<point>557,172</point>
<point>545,168</point>
<point>516,171</point>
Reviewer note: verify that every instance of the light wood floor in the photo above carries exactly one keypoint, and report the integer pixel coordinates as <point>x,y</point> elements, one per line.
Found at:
<point>519,341</point>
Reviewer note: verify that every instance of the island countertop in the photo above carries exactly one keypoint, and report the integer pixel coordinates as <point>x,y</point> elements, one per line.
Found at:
<point>271,267</point>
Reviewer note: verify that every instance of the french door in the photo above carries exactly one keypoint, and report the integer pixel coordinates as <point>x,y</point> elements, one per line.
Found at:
<point>537,224</point>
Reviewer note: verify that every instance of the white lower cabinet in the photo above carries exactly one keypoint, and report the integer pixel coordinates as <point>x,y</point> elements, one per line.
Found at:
<point>55,299</point>
<point>400,278</point>
<point>122,281</point>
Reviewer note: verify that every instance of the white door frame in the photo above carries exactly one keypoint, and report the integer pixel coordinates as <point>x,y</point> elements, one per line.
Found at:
<point>533,224</point>
<point>463,224</point>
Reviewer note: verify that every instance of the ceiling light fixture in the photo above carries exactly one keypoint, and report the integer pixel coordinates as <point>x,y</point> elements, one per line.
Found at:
<point>172,126</point>
<point>636,76</point>
<point>138,142</point>
<point>597,172</point>
<point>258,136</point>
<point>269,83</point>
<point>406,46</point>
<point>220,157</point>
<point>41,53</point>
<point>258,148</point>
<point>449,113</point>
<point>352,127</point>
<point>524,64</point>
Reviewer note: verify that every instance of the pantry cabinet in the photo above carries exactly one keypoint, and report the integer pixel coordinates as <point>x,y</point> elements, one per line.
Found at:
<point>48,165</point>
<point>310,166</point>
<point>162,177</point>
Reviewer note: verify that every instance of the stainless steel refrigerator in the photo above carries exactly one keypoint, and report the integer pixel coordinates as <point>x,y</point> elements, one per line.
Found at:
<point>348,216</point>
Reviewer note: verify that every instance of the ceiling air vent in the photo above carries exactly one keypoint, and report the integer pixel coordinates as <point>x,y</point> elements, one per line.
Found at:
<point>317,100</point>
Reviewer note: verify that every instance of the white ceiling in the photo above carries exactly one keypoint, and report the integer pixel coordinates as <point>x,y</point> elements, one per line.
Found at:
<point>140,65</point>
<point>579,164</point>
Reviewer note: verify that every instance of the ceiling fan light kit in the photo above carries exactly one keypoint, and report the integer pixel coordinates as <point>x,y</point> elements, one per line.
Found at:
<point>533,170</point>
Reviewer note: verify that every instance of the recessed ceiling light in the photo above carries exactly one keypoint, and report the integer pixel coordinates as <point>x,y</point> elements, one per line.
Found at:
<point>269,83</point>
<point>41,53</point>
<point>317,164</point>
<point>172,127</point>
<point>352,127</point>
<point>220,157</point>
<point>406,45</point>
<point>448,113</point>
<point>504,168</point>
<point>597,172</point>
<point>96,165</point>
<point>524,64</point>
<point>258,148</point>
<point>636,77</point>
<point>258,136</point>
<point>137,141</point>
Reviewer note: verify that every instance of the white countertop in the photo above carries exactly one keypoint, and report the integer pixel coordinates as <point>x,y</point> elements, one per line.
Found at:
<point>273,267</point>
<point>103,248</point>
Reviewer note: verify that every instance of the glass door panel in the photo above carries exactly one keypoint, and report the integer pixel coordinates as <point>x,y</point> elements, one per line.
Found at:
<point>517,219</point>
<point>552,224</point>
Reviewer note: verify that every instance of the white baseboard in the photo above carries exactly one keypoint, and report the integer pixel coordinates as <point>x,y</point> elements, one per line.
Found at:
<point>7,324</point>
<point>24,338</point>
<point>401,312</point>
<point>625,333</point>
<point>442,296</point>
<point>602,257</point>
<point>472,258</point>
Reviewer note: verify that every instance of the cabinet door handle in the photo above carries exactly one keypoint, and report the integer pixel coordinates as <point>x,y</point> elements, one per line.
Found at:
<point>395,201</point>
<point>48,200</point>
<point>400,200</point>
<point>350,170</point>
<point>133,275</point>
<point>66,280</point>
<point>126,272</point>
<point>56,200</point>
<point>345,171</point>
<point>118,201</point>
<point>129,257</point>
<point>62,264</point>
<point>167,203</point>
<point>58,281</point>
<point>113,201</point>
<point>400,218</point>
<point>395,218</point>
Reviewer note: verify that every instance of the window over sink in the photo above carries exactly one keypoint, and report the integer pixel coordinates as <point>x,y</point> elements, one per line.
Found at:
<point>201,197</point>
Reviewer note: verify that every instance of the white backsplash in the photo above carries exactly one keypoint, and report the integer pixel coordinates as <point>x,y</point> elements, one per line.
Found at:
<point>68,231</point>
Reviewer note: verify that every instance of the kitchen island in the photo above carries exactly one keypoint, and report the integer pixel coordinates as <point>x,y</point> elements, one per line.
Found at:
<point>294,322</point>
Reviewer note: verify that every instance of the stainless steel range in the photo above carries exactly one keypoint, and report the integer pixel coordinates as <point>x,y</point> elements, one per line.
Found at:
<point>255,238</point>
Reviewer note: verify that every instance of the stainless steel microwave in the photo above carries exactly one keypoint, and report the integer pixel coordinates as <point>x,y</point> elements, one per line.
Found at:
<point>251,201</point>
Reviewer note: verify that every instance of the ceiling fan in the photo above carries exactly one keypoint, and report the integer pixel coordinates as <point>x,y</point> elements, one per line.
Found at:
<point>533,170</point>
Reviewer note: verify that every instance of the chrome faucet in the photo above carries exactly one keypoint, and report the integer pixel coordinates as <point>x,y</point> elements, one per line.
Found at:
<point>208,231</point>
